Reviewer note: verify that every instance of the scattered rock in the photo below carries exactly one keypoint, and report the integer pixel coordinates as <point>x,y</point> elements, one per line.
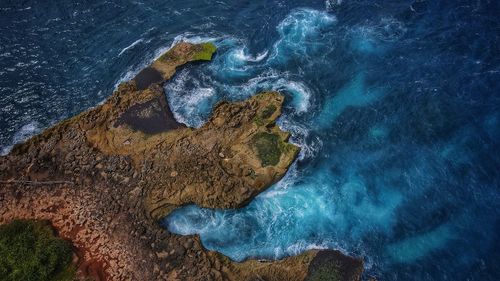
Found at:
<point>188,244</point>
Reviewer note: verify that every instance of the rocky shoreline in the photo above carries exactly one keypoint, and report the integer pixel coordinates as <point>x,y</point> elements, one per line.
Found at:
<point>106,176</point>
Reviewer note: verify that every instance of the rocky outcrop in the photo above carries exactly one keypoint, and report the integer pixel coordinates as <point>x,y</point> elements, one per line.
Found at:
<point>103,179</point>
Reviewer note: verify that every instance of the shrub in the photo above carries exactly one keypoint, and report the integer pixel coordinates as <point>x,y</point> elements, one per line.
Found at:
<point>29,250</point>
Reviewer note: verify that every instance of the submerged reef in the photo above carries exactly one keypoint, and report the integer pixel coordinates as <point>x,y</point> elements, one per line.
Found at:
<point>105,177</point>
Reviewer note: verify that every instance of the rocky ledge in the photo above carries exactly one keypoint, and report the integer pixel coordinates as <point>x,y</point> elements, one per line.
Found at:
<point>104,177</point>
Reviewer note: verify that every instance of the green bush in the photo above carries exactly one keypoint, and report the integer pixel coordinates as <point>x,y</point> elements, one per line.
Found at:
<point>29,250</point>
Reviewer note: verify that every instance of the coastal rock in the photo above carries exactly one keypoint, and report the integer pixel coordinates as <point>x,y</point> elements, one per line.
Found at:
<point>106,176</point>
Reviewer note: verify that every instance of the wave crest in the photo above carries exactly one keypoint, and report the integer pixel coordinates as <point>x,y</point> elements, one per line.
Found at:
<point>24,133</point>
<point>301,34</point>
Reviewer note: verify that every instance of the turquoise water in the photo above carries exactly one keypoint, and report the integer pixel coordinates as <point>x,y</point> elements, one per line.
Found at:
<point>394,104</point>
<point>391,167</point>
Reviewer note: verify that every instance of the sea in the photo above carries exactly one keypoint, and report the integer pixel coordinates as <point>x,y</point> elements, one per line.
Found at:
<point>395,105</point>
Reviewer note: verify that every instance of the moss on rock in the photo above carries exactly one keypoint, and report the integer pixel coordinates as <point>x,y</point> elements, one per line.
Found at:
<point>325,273</point>
<point>29,250</point>
<point>268,148</point>
<point>268,111</point>
<point>205,51</point>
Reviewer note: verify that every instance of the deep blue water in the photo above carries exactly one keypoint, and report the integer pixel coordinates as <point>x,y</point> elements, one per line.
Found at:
<point>395,105</point>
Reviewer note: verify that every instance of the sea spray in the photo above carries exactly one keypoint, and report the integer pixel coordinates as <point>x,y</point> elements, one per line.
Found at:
<point>301,35</point>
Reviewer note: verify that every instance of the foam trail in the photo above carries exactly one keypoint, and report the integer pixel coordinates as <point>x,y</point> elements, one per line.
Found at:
<point>416,247</point>
<point>23,134</point>
<point>130,46</point>
<point>375,38</point>
<point>354,94</point>
<point>300,93</point>
<point>189,100</point>
<point>186,37</point>
<point>242,56</point>
<point>309,147</point>
<point>301,35</point>
<point>193,38</point>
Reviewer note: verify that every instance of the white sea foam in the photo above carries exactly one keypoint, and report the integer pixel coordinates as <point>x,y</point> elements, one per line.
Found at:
<point>131,73</point>
<point>185,37</point>
<point>189,103</point>
<point>371,37</point>
<point>130,46</point>
<point>23,134</point>
<point>243,56</point>
<point>301,94</point>
<point>301,246</point>
<point>300,34</point>
<point>280,188</point>
<point>192,38</point>
<point>277,81</point>
<point>309,147</point>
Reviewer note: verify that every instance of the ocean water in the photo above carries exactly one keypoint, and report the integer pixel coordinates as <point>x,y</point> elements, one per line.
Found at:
<point>395,105</point>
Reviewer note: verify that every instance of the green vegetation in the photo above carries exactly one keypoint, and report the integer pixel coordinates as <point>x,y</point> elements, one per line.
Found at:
<point>268,148</point>
<point>324,273</point>
<point>205,51</point>
<point>258,120</point>
<point>265,114</point>
<point>268,111</point>
<point>30,251</point>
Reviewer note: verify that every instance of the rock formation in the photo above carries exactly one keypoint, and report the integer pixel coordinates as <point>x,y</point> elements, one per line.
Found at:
<point>104,177</point>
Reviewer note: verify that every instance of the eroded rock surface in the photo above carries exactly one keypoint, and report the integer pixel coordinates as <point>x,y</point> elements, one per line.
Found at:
<point>103,179</point>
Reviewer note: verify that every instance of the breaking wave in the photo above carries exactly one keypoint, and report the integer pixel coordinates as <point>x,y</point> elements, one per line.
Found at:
<point>20,136</point>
